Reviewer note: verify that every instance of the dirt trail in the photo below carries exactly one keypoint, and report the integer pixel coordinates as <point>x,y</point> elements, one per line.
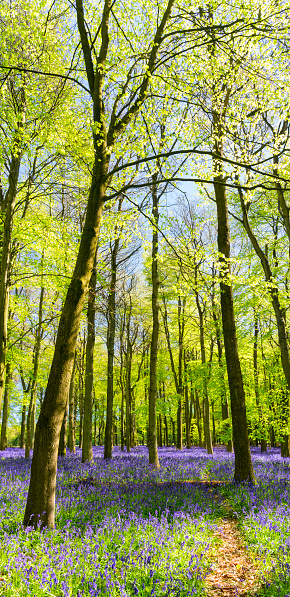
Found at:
<point>234,571</point>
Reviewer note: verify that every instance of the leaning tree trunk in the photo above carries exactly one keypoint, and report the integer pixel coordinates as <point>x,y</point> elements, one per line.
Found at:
<point>40,507</point>
<point>243,462</point>
<point>152,435</point>
<point>8,377</point>
<point>111,350</point>
<point>87,449</point>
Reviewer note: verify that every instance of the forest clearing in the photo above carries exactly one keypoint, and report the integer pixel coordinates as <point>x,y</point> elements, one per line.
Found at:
<point>125,528</point>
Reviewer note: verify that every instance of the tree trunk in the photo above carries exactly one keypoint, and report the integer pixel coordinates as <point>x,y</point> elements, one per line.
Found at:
<point>243,462</point>
<point>33,382</point>
<point>128,364</point>
<point>128,396</point>
<point>32,430</point>
<point>165,432</point>
<point>81,398</point>
<point>181,309</point>
<point>40,506</point>
<point>173,431</point>
<point>224,398</point>
<point>177,379</point>
<point>207,430</point>
<point>186,404</point>
<point>111,346</point>
<point>152,436</point>
<point>8,377</point>
<point>22,433</point>
<point>198,418</point>
<point>63,434</point>
<point>71,417</point>
<point>87,450</point>
<point>256,382</point>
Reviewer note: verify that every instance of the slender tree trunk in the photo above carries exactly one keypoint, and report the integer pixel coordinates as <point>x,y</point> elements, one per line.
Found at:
<point>33,383</point>
<point>95,421</point>
<point>63,434</point>
<point>173,431</point>
<point>81,396</point>
<point>207,430</point>
<point>121,380</point>
<point>22,433</point>
<point>152,436</point>
<point>181,309</point>
<point>5,413</point>
<point>177,379</point>
<point>256,383</point>
<point>71,417</point>
<point>165,431</point>
<point>32,430</point>
<point>186,404</point>
<point>87,450</point>
<point>243,462</point>
<point>224,398</point>
<point>128,396</point>
<point>111,347</point>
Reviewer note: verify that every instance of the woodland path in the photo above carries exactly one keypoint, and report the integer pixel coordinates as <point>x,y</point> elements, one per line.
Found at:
<point>235,572</point>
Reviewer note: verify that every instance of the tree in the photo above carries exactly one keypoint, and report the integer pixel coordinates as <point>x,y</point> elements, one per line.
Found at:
<point>40,507</point>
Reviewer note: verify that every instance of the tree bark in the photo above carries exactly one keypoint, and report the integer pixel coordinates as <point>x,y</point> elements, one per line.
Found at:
<point>87,449</point>
<point>152,435</point>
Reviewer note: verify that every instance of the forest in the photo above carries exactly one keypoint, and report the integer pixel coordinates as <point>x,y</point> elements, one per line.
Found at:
<point>144,297</point>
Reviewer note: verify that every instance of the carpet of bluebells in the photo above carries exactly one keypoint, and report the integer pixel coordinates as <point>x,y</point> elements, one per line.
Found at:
<point>125,529</point>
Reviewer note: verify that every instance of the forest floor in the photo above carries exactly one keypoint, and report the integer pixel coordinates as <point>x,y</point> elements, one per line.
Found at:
<point>125,529</point>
